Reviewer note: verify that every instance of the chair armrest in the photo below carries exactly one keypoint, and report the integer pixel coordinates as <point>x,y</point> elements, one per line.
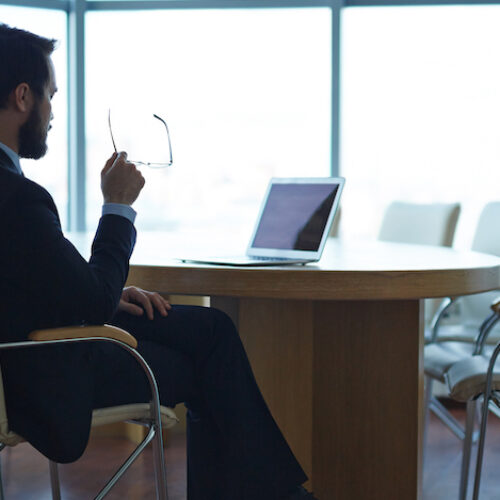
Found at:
<point>487,326</point>
<point>105,333</point>
<point>445,304</point>
<point>495,305</point>
<point>73,332</point>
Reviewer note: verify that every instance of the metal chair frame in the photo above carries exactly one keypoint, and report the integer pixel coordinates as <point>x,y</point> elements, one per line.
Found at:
<point>154,424</point>
<point>432,403</point>
<point>465,433</point>
<point>488,393</point>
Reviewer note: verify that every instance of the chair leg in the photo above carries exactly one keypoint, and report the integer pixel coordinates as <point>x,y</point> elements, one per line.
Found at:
<point>54,480</point>
<point>427,398</point>
<point>159,464</point>
<point>150,437</point>
<point>466,449</point>
<point>480,448</point>
<point>493,409</point>
<point>448,419</point>
<point>2,495</point>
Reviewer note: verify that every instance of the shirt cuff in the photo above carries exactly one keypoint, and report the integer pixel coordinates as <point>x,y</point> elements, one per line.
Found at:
<point>119,209</point>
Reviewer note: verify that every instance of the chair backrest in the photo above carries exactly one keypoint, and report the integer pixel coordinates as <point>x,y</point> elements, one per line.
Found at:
<point>426,224</point>
<point>475,308</point>
<point>423,224</point>
<point>487,234</point>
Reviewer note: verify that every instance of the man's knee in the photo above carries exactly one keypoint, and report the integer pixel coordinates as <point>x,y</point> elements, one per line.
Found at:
<point>216,330</point>
<point>223,324</point>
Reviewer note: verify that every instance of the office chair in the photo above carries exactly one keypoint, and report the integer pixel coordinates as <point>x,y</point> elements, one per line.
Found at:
<point>468,380</point>
<point>420,224</point>
<point>151,415</point>
<point>474,308</point>
<point>448,344</point>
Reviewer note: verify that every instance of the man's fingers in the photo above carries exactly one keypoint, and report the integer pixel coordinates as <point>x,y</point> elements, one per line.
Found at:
<point>121,181</point>
<point>110,162</point>
<point>159,303</point>
<point>115,158</point>
<point>140,297</point>
<point>122,155</point>
<point>132,308</point>
<point>144,300</point>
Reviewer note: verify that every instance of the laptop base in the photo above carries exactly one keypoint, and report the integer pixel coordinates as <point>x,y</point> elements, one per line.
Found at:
<point>247,261</point>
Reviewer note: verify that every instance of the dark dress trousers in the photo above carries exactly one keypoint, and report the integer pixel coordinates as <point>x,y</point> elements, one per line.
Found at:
<point>235,449</point>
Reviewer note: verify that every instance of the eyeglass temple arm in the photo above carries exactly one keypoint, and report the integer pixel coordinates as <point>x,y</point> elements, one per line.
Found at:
<point>111,130</point>
<point>168,134</point>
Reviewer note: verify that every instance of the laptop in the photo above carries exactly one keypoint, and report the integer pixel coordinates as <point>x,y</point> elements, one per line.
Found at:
<point>293,223</point>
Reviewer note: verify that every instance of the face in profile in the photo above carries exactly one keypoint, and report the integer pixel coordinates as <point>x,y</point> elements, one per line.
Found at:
<point>32,136</point>
<point>33,133</point>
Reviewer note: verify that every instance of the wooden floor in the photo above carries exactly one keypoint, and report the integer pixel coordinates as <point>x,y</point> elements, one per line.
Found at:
<point>25,472</point>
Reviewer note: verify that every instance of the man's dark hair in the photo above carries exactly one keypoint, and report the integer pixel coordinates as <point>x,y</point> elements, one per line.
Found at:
<point>23,59</point>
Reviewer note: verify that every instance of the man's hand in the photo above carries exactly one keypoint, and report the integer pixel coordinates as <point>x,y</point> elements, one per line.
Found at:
<point>135,301</point>
<point>121,182</point>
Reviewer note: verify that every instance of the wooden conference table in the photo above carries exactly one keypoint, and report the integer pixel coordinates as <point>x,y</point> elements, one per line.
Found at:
<point>336,348</point>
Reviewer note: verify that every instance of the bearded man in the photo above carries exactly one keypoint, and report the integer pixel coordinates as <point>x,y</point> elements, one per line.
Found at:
<point>235,449</point>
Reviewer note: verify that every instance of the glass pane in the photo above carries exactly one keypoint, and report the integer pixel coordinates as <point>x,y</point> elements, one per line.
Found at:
<point>420,111</point>
<point>51,171</point>
<point>245,93</point>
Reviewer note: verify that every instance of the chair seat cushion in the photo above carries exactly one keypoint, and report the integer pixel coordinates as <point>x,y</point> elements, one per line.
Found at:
<point>440,356</point>
<point>10,438</point>
<point>467,378</point>
<point>139,412</point>
<point>135,412</point>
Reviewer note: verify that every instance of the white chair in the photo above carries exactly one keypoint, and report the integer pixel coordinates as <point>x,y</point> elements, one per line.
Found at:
<point>448,344</point>
<point>473,308</point>
<point>423,224</point>
<point>469,379</point>
<point>151,415</point>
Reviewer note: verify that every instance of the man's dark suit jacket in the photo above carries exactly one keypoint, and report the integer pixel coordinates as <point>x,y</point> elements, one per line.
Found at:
<point>45,283</point>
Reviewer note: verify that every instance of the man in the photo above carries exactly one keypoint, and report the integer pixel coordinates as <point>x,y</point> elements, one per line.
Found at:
<point>235,449</point>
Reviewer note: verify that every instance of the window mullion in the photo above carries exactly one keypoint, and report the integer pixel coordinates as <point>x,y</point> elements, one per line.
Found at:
<point>76,118</point>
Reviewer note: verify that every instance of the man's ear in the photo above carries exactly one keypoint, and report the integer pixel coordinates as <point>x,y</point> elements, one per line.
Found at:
<point>22,97</point>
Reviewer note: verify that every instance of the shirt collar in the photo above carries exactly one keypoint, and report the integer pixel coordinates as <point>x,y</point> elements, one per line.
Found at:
<point>14,158</point>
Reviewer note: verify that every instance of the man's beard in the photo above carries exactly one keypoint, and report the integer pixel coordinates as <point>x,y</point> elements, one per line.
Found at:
<point>32,138</point>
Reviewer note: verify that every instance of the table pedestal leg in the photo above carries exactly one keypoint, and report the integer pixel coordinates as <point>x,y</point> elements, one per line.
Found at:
<point>344,380</point>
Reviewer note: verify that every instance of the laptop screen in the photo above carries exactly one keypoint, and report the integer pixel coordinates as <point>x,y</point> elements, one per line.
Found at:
<point>294,216</point>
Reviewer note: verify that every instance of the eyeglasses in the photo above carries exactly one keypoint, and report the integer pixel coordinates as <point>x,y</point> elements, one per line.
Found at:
<point>148,164</point>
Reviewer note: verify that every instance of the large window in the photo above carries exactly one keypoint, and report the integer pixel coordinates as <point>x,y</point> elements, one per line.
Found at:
<point>51,171</point>
<point>246,94</point>
<point>420,111</point>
